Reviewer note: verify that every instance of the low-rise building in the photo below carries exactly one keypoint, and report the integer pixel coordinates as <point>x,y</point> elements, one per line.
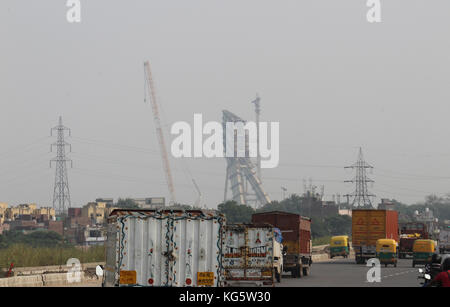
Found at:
<point>3,209</point>
<point>96,211</point>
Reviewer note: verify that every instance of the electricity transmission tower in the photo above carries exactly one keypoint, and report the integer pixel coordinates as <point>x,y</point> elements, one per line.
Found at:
<point>361,195</point>
<point>61,195</point>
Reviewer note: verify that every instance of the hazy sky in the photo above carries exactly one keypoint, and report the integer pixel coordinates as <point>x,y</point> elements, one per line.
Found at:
<point>334,82</point>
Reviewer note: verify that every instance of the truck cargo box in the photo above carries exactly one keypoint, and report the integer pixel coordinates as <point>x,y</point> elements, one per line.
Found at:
<point>296,231</point>
<point>248,257</point>
<point>164,248</point>
<point>369,225</point>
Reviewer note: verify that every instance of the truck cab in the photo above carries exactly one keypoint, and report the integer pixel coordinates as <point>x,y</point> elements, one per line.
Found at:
<point>277,254</point>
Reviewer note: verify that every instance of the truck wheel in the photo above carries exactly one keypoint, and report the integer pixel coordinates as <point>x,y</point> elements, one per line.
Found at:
<point>305,271</point>
<point>298,271</point>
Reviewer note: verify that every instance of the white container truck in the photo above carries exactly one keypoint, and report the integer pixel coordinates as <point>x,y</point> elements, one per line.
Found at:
<point>444,241</point>
<point>179,248</point>
<point>252,255</point>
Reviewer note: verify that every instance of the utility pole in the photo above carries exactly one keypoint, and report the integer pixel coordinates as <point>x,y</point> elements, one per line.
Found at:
<point>283,193</point>
<point>61,194</point>
<point>361,195</point>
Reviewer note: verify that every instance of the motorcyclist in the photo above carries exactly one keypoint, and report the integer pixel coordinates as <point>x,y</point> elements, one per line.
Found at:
<point>435,267</point>
<point>443,278</point>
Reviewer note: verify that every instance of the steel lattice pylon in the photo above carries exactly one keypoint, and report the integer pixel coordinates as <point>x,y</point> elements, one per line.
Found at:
<point>61,194</point>
<point>361,195</point>
<point>241,172</point>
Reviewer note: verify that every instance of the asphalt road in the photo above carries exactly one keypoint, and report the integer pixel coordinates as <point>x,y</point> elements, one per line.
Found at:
<point>346,273</point>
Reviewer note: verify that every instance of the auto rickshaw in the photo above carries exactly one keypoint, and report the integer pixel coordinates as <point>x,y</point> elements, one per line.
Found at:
<point>339,246</point>
<point>423,251</point>
<point>387,251</point>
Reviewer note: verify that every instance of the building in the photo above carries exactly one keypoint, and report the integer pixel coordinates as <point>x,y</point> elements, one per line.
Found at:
<point>345,212</point>
<point>108,201</point>
<point>150,202</point>
<point>91,235</point>
<point>97,212</point>
<point>386,204</point>
<point>56,226</point>
<point>3,209</point>
<point>12,213</point>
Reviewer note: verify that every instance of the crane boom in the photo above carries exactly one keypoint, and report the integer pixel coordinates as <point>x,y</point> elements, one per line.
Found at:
<point>159,132</point>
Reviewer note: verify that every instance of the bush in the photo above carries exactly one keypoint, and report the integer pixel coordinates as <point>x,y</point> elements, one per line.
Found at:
<point>27,256</point>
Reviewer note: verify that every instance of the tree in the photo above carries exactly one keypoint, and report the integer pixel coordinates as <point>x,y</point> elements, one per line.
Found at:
<point>235,213</point>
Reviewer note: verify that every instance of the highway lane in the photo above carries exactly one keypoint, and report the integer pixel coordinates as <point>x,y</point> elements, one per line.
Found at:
<point>346,273</point>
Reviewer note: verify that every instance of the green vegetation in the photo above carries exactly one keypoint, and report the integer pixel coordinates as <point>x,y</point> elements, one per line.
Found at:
<point>321,241</point>
<point>42,248</point>
<point>235,213</point>
<point>27,256</point>
<point>40,238</point>
<point>321,227</point>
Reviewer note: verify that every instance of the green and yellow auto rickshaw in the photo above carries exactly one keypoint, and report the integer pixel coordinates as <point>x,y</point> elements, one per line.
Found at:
<point>386,251</point>
<point>423,250</point>
<point>339,246</point>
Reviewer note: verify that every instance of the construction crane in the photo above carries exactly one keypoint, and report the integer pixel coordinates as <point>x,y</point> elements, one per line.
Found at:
<point>199,198</point>
<point>159,132</point>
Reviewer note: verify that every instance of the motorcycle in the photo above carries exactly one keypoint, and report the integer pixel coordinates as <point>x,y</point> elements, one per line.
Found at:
<point>425,276</point>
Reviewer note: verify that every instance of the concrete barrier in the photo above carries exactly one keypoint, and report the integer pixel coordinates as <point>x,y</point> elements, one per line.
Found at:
<point>22,271</point>
<point>22,281</point>
<point>50,276</point>
<point>326,257</point>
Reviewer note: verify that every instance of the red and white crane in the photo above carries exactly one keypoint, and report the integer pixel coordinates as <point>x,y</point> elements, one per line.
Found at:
<point>159,132</point>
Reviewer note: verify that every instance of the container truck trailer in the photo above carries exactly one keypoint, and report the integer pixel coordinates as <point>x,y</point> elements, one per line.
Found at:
<point>296,231</point>
<point>444,241</point>
<point>175,248</point>
<point>369,225</point>
<point>252,255</point>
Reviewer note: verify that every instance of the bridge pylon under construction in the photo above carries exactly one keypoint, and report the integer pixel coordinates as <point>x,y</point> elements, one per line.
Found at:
<point>241,172</point>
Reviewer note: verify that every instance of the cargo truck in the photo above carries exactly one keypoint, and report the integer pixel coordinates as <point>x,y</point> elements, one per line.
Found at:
<point>444,241</point>
<point>369,225</point>
<point>296,231</point>
<point>175,248</point>
<point>410,232</point>
<point>252,255</point>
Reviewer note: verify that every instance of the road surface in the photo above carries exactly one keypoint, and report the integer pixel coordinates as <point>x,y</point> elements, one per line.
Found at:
<point>341,272</point>
<point>346,273</point>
